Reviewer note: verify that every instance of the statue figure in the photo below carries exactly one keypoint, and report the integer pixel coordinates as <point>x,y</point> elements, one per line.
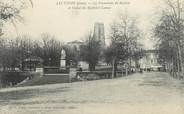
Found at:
<point>63,54</point>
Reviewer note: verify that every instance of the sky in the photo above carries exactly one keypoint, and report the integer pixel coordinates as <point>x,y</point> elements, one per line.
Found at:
<point>46,16</point>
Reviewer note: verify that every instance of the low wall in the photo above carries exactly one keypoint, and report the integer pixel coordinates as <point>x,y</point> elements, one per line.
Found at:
<point>55,78</point>
<point>54,70</point>
<point>94,75</point>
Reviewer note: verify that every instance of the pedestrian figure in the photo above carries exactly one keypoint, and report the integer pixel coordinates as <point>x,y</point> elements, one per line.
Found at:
<point>78,75</point>
<point>141,70</point>
<point>80,69</point>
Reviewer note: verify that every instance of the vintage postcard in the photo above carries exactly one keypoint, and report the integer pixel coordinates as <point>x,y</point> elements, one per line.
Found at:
<point>91,57</point>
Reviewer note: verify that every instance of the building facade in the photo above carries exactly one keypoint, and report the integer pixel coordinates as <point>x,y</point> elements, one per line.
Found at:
<point>75,44</point>
<point>150,60</point>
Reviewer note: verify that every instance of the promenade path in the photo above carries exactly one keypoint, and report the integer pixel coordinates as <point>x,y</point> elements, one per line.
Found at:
<point>146,93</point>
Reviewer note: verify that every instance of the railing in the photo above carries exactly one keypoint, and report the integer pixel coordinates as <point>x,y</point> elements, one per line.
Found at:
<point>92,75</point>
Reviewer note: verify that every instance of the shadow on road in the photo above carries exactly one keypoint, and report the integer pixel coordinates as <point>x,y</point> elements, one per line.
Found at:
<point>158,79</point>
<point>8,96</point>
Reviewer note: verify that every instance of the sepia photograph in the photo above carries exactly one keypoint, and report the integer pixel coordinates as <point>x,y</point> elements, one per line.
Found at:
<point>91,57</point>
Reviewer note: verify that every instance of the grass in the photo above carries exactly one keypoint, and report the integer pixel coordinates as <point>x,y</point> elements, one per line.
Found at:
<point>47,79</point>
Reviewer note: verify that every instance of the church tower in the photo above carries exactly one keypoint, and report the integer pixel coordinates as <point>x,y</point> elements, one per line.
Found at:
<point>99,33</point>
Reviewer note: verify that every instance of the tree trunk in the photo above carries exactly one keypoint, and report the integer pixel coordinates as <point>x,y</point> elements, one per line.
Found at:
<point>91,67</point>
<point>130,59</point>
<point>114,68</point>
<point>180,59</point>
<point>174,66</point>
<point>126,70</point>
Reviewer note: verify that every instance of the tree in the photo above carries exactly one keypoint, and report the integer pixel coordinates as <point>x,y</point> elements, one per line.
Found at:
<point>170,31</point>
<point>37,49</point>
<point>115,53</point>
<point>3,49</point>
<point>90,51</point>
<point>10,11</point>
<point>51,50</point>
<point>10,52</point>
<point>124,35</point>
<point>72,54</point>
<point>13,52</point>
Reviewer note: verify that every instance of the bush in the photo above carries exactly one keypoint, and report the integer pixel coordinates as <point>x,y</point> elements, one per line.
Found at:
<point>13,77</point>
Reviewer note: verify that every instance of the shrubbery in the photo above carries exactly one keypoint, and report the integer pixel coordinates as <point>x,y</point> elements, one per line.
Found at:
<point>13,77</point>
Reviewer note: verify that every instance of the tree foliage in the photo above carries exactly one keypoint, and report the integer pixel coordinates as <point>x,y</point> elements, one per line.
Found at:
<point>170,32</point>
<point>91,51</point>
<point>10,10</point>
<point>14,51</point>
<point>72,55</point>
<point>51,50</point>
<point>124,36</point>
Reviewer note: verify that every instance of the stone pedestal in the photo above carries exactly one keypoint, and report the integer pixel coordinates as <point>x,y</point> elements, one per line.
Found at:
<point>40,70</point>
<point>72,74</point>
<point>62,63</point>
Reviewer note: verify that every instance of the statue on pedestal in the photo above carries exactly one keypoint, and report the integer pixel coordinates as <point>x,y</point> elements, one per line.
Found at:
<point>63,59</point>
